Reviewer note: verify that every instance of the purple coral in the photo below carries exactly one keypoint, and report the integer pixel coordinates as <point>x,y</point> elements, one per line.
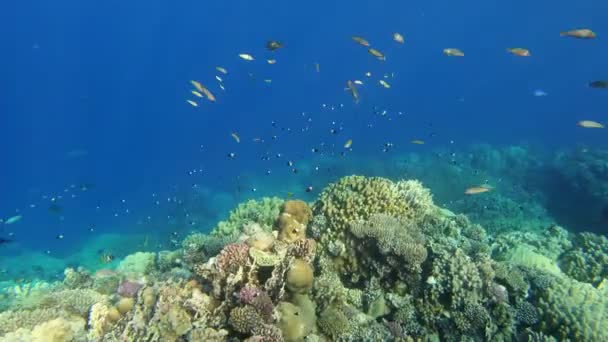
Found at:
<point>232,257</point>
<point>248,294</point>
<point>128,288</point>
<point>259,299</point>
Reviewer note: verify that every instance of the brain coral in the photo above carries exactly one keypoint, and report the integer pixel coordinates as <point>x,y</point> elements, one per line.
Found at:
<point>355,198</point>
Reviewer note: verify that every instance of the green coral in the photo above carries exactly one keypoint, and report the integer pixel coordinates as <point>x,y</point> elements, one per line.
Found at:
<point>263,212</point>
<point>588,259</point>
<point>138,264</point>
<point>574,310</point>
<point>27,319</point>
<point>333,322</point>
<point>393,237</point>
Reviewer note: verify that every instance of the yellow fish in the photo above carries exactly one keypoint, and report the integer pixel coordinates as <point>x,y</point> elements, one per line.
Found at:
<point>197,85</point>
<point>208,94</point>
<point>398,37</point>
<point>194,104</point>
<point>197,94</point>
<point>376,54</point>
<point>384,84</point>
<point>246,56</point>
<point>222,70</point>
<point>417,142</point>
<point>362,41</point>
<point>235,137</point>
<point>590,124</point>
<point>521,52</point>
<point>474,190</point>
<point>453,52</point>
<point>348,143</point>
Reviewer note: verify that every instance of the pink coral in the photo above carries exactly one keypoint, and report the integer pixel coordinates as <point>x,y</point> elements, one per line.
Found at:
<point>259,299</point>
<point>232,257</point>
<point>128,288</point>
<point>248,293</point>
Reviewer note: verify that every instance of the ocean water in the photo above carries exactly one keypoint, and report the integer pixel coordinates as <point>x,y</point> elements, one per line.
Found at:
<point>102,155</point>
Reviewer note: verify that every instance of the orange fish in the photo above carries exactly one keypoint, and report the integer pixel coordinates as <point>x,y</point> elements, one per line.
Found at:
<point>417,142</point>
<point>521,52</point>
<point>579,33</point>
<point>477,190</point>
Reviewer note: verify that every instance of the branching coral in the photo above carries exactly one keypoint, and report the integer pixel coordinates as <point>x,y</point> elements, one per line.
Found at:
<point>264,212</point>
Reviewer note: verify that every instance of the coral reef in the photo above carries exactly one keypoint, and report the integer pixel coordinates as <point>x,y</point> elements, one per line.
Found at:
<point>378,261</point>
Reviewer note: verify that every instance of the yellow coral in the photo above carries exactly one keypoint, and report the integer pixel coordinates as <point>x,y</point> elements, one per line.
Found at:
<point>300,277</point>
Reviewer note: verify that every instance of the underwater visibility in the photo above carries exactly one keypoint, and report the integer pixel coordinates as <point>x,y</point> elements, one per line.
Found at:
<point>304,171</point>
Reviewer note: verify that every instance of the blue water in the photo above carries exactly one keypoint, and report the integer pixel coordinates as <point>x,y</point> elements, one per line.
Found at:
<point>94,93</point>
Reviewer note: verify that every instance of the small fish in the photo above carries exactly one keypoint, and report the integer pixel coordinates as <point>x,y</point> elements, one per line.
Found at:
<point>599,84</point>
<point>106,258</point>
<point>398,37</point>
<point>5,241</point>
<point>222,70</point>
<point>197,85</point>
<point>235,137</point>
<point>13,219</point>
<point>474,190</point>
<point>353,90</point>
<point>348,143</point>
<point>417,142</point>
<point>384,84</point>
<point>246,56</point>
<point>368,74</point>
<point>289,194</point>
<point>361,41</point>
<point>540,93</point>
<point>194,104</point>
<point>521,52</point>
<point>208,94</point>
<point>196,93</point>
<point>268,81</point>
<point>317,67</point>
<point>590,124</point>
<point>60,237</point>
<point>271,61</point>
<point>376,54</point>
<point>219,79</point>
<point>358,82</point>
<point>274,45</point>
<point>579,33</point>
<point>222,87</point>
<point>453,52</point>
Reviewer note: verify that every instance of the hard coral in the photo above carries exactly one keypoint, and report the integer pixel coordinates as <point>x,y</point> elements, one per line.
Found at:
<point>299,210</point>
<point>232,257</point>
<point>290,229</point>
<point>128,288</point>
<point>264,212</point>
<point>300,277</point>
<point>356,198</point>
<point>244,319</point>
